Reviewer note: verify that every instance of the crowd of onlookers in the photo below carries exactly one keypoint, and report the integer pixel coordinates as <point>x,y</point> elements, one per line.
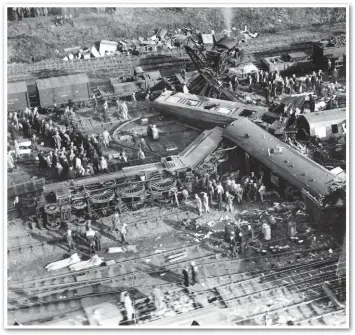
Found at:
<point>63,150</point>
<point>273,84</point>
<point>225,194</point>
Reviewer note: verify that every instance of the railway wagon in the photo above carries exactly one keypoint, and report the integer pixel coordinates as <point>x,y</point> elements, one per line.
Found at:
<point>324,50</point>
<point>61,90</point>
<point>17,96</point>
<point>123,89</point>
<point>294,61</point>
<point>145,81</point>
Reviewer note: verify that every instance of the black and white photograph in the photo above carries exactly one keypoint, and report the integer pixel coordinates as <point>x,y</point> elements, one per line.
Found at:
<point>176,167</point>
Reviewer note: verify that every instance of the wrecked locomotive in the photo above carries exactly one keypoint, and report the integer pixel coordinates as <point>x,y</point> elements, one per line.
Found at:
<point>129,188</point>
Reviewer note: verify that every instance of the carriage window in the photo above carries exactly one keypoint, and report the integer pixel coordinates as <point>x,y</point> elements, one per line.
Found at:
<point>174,99</point>
<point>225,110</point>
<point>192,102</point>
<point>334,128</point>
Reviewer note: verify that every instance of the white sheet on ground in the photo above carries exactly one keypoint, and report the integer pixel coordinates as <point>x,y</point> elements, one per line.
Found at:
<point>73,259</point>
<point>93,261</point>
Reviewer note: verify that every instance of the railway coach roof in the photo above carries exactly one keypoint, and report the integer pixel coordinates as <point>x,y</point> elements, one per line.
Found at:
<point>53,82</point>
<point>18,87</point>
<point>204,104</point>
<point>292,166</point>
<point>325,117</point>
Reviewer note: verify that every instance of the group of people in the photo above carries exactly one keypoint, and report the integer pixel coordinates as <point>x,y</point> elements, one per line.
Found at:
<point>75,155</point>
<point>251,188</point>
<point>92,238</point>
<point>273,84</point>
<point>191,275</point>
<point>238,240</point>
<point>25,121</point>
<point>18,13</point>
<point>122,108</point>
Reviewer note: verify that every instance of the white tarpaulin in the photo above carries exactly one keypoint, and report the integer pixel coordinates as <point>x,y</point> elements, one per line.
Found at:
<point>94,261</point>
<point>73,259</point>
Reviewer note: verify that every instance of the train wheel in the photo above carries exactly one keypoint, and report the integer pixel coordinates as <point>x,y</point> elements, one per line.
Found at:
<point>54,225</point>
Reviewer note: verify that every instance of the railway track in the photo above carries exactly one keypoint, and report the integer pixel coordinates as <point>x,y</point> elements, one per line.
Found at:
<point>25,247</point>
<point>48,295</point>
<point>298,298</point>
<point>123,66</point>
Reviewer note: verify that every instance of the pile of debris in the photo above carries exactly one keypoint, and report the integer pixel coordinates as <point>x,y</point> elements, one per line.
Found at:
<point>171,304</point>
<point>338,40</point>
<point>162,40</point>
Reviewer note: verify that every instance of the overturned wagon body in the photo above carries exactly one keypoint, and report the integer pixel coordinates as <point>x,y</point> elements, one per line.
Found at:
<point>288,62</point>
<point>61,90</point>
<point>145,81</point>
<point>17,96</point>
<point>325,50</point>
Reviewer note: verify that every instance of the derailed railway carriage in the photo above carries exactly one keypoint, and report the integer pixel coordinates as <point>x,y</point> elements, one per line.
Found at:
<point>282,166</point>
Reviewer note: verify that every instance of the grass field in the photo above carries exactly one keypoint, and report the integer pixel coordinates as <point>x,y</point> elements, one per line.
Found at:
<point>39,38</point>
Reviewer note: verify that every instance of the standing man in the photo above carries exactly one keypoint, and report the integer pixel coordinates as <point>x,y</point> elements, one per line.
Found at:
<point>241,241</point>
<point>329,67</point>
<point>233,245</point>
<point>69,239</point>
<point>97,239</point>
<point>267,93</point>
<point>123,231</point>
<point>273,225</point>
<point>229,200</point>
<point>195,275</point>
<point>94,102</point>
<point>262,191</point>
<point>185,273</point>
<point>140,154</point>
<point>105,111</point>
<point>250,237</point>
<point>118,103</point>
<point>124,109</point>
<point>220,192</point>
<point>57,140</point>
<point>320,75</point>
<point>116,222</point>
<point>90,234</point>
<point>205,202</point>
<point>18,206</point>
<point>210,190</point>
<point>335,75</point>
<point>198,204</point>
<point>107,138</point>
<point>134,99</point>
<point>312,103</point>
<point>239,194</point>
